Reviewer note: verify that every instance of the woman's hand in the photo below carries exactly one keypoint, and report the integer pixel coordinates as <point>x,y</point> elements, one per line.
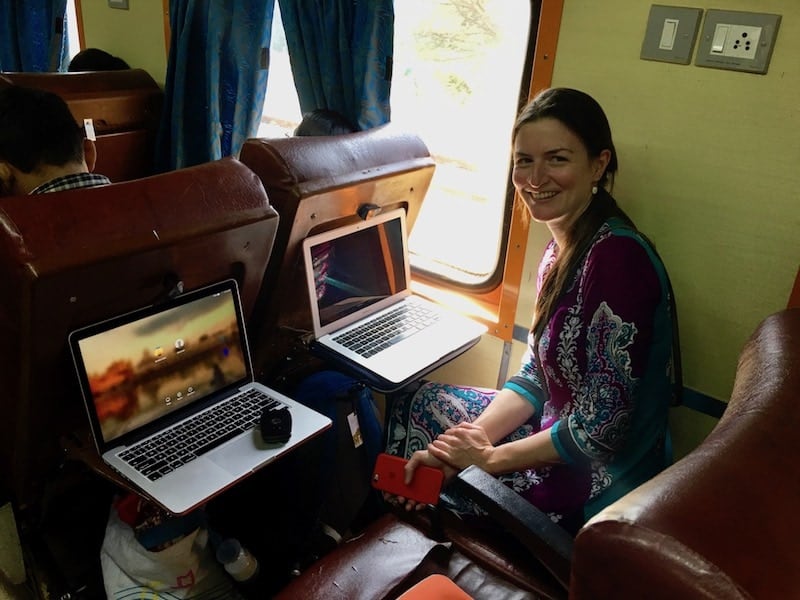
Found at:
<point>463,445</point>
<point>420,457</point>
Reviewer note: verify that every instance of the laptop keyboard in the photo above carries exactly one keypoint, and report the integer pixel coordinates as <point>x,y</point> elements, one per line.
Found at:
<point>388,329</point>
<point>162,454</point>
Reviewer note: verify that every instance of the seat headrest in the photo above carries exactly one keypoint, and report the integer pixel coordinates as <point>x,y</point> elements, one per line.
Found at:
<point>308,165</point>
<point>57,232</point>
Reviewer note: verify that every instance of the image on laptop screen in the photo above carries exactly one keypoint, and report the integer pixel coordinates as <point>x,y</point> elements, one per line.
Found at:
<point>358,270</point>
<point>143,370</point>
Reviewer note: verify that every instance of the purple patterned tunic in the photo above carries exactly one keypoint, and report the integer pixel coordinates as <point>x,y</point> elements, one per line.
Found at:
<point>602,388</point>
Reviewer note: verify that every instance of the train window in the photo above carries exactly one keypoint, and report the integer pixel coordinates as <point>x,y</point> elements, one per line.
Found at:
<point>73,37</point>
<point>281,113</point>
<point>458,69</point>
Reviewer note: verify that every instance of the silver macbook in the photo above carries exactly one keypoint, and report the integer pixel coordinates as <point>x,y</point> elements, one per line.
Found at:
<point>363,309</point>
<point>171,399</point>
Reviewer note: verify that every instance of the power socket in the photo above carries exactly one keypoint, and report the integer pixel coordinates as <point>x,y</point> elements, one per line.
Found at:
<point>737,40</point>
<point>742,41</point>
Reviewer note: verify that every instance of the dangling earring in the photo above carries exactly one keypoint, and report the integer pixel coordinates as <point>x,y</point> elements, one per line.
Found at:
<point>594,190</point>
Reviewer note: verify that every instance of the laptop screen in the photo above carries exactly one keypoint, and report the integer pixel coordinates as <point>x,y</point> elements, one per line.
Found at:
<point>140,367</point>
<point>358,266</point>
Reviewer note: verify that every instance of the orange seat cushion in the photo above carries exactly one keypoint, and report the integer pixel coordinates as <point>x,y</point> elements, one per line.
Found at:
<point>435,587</point>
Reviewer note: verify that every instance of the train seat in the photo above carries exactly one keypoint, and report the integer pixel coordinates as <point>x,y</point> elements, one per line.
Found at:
<point>71,258</point>
<point>316,183</point>
<point>730,532</point>
<point>125,108</point>
<point>716,524</point>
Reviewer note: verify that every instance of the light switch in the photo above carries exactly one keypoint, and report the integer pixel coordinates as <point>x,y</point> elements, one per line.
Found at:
<point>720,35</point>
<point>671,33</point>
<point>668,34</point>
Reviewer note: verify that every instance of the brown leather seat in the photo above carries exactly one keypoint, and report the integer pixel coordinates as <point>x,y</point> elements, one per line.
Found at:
<point>398,550</point>
<point>71,258</point>
<point>722,522</point>
<point>125,108</point>
<point>316,183</point>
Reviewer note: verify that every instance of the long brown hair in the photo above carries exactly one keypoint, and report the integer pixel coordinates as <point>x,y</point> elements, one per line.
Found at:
<point>582,115</point>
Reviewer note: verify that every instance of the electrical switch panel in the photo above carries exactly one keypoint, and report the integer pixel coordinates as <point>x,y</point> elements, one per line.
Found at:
<point>671,34</point>
<point>741,41</point>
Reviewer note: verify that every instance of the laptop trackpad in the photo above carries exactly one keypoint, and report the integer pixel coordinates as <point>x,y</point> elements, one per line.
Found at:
<point>245,453</point>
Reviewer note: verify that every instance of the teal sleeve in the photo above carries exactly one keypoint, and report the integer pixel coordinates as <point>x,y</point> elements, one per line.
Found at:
<point>528,390</point>
<point>559,435</point>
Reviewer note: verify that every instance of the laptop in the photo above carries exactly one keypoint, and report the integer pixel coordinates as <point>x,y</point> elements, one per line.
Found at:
<point>363,310</point>
<point>172,402</point>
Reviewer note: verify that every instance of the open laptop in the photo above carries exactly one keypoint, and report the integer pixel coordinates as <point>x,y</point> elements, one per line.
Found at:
<point>358,279</point>
<point>179,375</point>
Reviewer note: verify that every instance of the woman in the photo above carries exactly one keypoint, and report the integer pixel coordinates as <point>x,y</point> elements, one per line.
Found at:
<point>585,419</point>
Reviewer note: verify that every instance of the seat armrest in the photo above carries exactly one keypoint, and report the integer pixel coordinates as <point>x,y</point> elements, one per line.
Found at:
<point>549,543</point>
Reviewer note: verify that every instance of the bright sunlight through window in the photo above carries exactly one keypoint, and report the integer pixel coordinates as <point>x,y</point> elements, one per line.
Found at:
<point>458,66</point>
<point>74,43</point>
<point>281,112</point>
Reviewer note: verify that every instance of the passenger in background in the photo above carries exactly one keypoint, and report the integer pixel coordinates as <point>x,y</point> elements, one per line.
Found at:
<point>42,148</point>
<point>94,59</point>
<point>323,121</point>
<point>585,419</point>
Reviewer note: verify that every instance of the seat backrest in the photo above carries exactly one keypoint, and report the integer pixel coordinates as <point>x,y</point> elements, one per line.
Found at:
<point>125,108</point>
<point>71,258</point>
<point>317,183</point>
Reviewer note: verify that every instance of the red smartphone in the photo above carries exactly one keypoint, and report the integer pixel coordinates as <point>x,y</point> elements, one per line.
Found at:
<point>389,477</point>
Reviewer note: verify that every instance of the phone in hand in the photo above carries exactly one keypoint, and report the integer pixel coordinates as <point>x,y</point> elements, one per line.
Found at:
<point>389,476</point>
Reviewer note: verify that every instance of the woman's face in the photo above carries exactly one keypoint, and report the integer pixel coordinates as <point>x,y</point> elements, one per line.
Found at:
<point>553,172</point>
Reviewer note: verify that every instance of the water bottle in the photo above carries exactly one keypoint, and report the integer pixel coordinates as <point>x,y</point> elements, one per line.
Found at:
<point>238,561</point>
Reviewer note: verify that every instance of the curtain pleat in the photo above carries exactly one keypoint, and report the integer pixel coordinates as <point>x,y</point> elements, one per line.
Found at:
<point>216,79</point>
<point>32,35</point>
<point>341,56</point>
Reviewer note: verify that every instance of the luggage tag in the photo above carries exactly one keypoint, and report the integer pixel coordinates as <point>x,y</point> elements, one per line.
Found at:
<point>355,429</point>
<point>88,126</point>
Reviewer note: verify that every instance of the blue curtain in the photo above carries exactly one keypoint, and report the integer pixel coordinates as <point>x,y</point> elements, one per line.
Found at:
<point>341,56</point>
<point>216,79</point>
<point>32,35</point>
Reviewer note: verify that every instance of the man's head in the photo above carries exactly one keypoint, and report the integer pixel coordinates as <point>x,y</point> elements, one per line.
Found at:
<point>39,140</point>
<point>94,59</point>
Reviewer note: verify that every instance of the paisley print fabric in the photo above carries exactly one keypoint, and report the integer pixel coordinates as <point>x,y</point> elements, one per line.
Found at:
<point>433,409</point>
<point>602,388</point>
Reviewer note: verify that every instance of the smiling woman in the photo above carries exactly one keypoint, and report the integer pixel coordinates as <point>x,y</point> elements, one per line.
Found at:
<point>585,418</point>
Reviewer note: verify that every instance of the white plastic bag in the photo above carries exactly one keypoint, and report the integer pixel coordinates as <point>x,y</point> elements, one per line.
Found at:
<point>183,571</point>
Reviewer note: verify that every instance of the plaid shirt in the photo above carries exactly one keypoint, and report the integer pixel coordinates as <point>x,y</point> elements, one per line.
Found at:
<point>72,182</point>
